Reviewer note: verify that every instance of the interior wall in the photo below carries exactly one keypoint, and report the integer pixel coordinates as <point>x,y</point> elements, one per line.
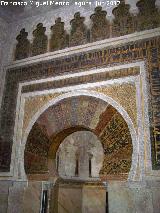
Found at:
<point>4,26</point>
<point>143,197</point>
<point>30,25</point>
<point>70,199</point>
<point>4,193</point>
<point>4,55</point>
<point>94,199</point>
<point>20,197</point>
<point>135,197</point>
<point>81,198</point>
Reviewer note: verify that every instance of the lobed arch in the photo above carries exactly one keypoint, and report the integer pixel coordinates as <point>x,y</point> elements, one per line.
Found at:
<point>100,97</point>
<point>79,156</point>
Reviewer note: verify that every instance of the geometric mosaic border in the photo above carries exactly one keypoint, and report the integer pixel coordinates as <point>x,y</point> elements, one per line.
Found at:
<point>147,49</point>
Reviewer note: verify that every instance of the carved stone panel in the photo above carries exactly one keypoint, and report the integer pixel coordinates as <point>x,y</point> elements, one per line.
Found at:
<point>59,37</point>
<point>40,40</point>
<point>23,46</point>
<point>100,25</point>
<point>124,22</point>
<point>78,33</point>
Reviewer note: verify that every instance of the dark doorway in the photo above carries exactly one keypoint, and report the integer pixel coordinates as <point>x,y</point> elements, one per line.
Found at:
<point>107,206</point>
<point>44,201</point>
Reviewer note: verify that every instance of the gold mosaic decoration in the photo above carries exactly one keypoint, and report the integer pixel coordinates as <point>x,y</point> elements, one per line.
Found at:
<point>117,145</point>
<point>125,95</point>
<point>33,104</point>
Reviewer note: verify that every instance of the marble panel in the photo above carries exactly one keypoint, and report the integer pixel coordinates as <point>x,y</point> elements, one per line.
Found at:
<point>4,188</point>
<point>121,200</point>
<point>143,200</point>
<point>94,199</point>
<point>70,199</point>
<point>156,199</point>
<point>32,198</point>
<point>15,199</point>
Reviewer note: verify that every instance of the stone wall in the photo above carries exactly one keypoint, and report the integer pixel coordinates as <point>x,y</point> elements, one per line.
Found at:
<point>3,53</point>
<point>20,197</point>
<point>81,198</point>
<point>127,197</point>
<point>122,196</point>
<point>134,197</point>
<point>4,193</point>
<point>70,199</point>
<point>139,50</point>
<point>93,199</point>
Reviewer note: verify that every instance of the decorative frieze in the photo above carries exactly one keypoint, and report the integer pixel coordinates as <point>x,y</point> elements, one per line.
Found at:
<point>117,144</point>
<point>133,71</point>
<point>33,104</point>
<point>100,28</point>
<point>36,150</point>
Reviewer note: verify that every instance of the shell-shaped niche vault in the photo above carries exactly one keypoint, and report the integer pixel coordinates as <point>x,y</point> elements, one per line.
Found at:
<point>71,115</point>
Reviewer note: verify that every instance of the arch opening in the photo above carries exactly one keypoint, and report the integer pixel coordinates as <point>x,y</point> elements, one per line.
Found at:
<point>80,156</point>
<point>83,114</point>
